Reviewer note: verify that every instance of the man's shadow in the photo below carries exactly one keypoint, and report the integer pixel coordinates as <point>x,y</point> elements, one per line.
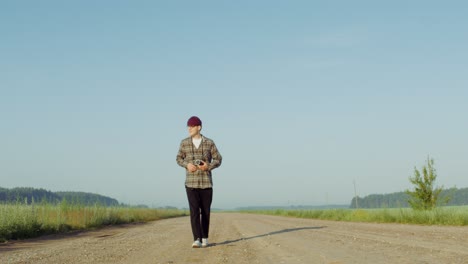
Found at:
<point>268,234</point>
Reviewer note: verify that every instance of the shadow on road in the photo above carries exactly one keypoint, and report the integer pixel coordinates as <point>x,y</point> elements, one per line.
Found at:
<point>269,234</point>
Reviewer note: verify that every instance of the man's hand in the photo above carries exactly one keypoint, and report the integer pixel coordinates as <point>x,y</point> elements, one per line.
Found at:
<point>191,167</point>
<point>203,167</point>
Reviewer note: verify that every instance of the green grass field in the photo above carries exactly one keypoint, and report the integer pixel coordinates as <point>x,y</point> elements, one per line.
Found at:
<point>454,215</point>
<point>18,221</point>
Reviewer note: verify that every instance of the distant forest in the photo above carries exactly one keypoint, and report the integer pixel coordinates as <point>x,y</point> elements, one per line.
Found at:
<point>400,199</point>
<point>29,195</point>
<point>292,207</point>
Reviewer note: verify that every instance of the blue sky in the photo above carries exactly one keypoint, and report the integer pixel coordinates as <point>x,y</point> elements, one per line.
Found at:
<point>301,97</point>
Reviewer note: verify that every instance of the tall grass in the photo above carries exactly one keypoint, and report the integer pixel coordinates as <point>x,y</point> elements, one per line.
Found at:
<point>454,215</point>
<point>19,221</point>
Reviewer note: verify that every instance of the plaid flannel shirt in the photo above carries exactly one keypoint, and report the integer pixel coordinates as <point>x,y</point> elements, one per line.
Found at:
<point>207,152</point>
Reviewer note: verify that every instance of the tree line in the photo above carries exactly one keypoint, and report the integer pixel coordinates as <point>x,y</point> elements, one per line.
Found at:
<point>28,195</point>
<point>424,195</point>
<point>400,199</point>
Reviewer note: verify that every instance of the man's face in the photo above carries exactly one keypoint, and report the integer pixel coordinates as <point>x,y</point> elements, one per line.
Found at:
<point>194,130</point>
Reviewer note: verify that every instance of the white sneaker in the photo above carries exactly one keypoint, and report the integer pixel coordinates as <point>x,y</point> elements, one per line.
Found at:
<point>204,242</point>
<point>196,244</point>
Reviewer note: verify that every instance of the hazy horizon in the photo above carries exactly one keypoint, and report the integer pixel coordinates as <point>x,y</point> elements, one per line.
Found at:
<point>303,99</point>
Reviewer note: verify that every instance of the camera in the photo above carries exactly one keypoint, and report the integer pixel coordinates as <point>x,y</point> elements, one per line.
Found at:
<point>199,162</point>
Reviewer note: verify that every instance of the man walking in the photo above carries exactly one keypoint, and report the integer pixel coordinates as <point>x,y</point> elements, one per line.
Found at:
<point>199,156</point>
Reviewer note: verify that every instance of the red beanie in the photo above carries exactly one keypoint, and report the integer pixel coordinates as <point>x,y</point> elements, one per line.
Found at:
<point>194,121</point>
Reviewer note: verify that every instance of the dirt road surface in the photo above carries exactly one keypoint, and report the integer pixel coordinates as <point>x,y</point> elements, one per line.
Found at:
<point>248,238</point>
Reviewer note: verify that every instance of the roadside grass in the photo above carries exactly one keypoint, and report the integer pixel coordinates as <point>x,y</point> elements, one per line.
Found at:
<point>450,216</point>
<point>19,221</point>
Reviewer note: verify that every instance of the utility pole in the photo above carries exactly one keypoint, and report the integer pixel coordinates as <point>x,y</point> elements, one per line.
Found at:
<point>355,195</point>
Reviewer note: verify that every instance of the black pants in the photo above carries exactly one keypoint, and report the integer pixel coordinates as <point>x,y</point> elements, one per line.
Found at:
<point>200,207</point>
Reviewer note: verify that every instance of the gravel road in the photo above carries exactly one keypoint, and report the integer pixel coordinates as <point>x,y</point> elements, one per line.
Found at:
<point>248,238</point>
